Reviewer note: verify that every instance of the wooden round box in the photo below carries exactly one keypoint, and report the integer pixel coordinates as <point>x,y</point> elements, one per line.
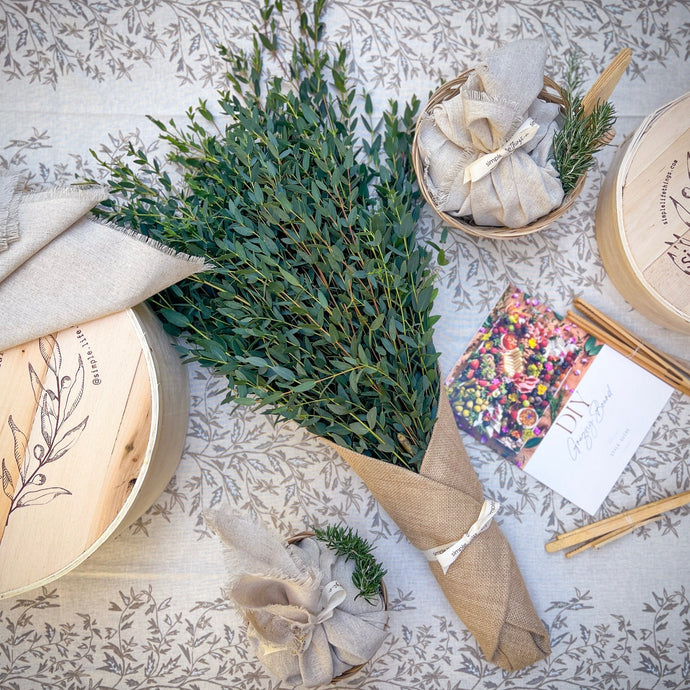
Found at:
<point>92,425</point>
<point>643,217</point>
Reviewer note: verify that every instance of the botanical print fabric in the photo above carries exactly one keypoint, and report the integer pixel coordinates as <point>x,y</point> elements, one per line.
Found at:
<point>147,609</point>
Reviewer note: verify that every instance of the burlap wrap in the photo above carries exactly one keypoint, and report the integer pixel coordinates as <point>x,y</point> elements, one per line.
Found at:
<point>438,505</point>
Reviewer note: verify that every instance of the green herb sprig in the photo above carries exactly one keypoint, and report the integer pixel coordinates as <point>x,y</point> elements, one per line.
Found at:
<point>318,308</point>
<point>580,136</point>
<point>368,573</point>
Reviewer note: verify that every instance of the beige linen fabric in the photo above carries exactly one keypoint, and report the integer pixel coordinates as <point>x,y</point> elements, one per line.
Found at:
<point>61,267</point>
<point>9,201</point>
<point>484,585</point>
<point>281,591</point>
<point>497,98</point>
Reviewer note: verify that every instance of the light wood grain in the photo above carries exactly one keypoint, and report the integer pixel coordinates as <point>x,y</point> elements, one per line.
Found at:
<point>113,386</point>
<point>14,370</point>
<point>641,218</point>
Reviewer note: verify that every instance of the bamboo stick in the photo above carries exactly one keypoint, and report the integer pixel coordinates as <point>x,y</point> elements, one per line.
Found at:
<point>629,518</point>
<point>598,542</point>
<point>665,371</point>
<point>593,314</point>
<point>603,87</point>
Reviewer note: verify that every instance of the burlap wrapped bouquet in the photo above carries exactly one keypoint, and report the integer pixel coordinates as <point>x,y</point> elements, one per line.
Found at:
<point>319,308</point>
<point>438,506</point>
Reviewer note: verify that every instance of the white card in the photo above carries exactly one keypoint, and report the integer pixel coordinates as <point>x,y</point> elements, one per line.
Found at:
<point>598,431</point>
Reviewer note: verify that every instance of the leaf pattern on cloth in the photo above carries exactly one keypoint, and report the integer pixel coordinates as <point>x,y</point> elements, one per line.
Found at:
<point>203,645</point>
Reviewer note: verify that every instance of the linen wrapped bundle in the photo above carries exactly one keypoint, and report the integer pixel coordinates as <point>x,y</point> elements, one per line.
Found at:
<point>438,506</point>
<point>305,621</point>
<point>491,119</point>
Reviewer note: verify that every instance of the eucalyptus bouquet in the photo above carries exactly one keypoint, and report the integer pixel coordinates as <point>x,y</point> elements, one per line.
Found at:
<point>318,308</point>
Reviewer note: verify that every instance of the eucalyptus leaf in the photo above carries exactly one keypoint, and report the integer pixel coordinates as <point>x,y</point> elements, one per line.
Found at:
<point>318,308</point>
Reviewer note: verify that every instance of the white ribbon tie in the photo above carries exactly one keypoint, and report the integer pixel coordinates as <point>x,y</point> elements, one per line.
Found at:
<point>332,596</point>
<point>486,163</point>
<point>446,554</point>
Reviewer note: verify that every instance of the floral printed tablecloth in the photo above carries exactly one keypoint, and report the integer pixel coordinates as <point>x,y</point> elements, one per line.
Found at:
<point>147,610</point>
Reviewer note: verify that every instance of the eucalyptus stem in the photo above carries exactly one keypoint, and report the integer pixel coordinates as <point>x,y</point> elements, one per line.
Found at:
<point>318,308</point>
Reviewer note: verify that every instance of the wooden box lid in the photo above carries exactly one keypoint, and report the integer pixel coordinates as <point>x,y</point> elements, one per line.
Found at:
<point>643,217</point>
<point>82,413</point>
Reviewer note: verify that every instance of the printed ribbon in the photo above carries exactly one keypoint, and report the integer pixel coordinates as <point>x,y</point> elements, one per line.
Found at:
<point>486,163</point>
<point>446,554</point>
<point>332,596</point>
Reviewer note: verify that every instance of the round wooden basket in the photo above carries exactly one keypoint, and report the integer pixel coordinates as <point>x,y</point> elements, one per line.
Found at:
<point>384,595</point>
<point>551,94</point>
<point>643,217</point>
<point>92,425</point>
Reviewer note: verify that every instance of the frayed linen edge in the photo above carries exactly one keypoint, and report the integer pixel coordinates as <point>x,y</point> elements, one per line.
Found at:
<point>200,261</point>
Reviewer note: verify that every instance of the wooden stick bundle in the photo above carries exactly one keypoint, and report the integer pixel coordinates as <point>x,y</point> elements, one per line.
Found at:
<point>608,529</point>
<point>606,330</point>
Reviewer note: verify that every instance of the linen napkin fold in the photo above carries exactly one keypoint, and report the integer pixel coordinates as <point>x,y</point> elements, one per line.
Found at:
<point>60,267</point>
<point>492,113</point>
<point>305,621</point>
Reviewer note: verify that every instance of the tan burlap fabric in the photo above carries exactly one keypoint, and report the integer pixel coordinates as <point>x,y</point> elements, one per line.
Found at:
<point>438,505</point>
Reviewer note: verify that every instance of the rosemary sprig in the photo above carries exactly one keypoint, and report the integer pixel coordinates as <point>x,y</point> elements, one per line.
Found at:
<point>581,136</point>
<point>368,572</point>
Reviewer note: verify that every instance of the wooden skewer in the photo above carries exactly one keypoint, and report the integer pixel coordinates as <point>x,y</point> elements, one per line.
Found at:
<point>615,328</point>
<point>665,371</point>
<point>603,87</point>
<point>663,366</point>
<point>662,369</point>
<point>629,518</point>
<point>598,542</point>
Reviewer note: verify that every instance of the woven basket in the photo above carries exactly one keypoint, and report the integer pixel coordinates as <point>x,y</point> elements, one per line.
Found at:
<point>551,94</point>
<point>384,594</point>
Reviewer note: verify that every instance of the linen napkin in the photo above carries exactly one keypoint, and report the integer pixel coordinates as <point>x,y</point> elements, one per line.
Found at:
<point>60,267</point>
<point>305,621</point>
<point>496,111</point>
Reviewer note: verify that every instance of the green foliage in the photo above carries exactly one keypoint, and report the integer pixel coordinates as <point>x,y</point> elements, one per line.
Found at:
<point>318,308</point>
<point>591,348</point>
<point>368,572</point>
<point>581,136</point>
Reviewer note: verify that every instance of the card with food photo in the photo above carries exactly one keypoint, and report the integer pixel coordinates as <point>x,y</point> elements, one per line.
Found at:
<point>521,388</point>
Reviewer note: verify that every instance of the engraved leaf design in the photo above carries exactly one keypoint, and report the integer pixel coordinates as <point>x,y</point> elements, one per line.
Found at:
<point>7,481</point>
<point>46,420</point>
<point>39,497</point>
<point>20,443</point>
<point>67,441</point>
<point>36,384</point>
<point>683,213</point>
<point>50,351</point>
<point>76,390</point>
